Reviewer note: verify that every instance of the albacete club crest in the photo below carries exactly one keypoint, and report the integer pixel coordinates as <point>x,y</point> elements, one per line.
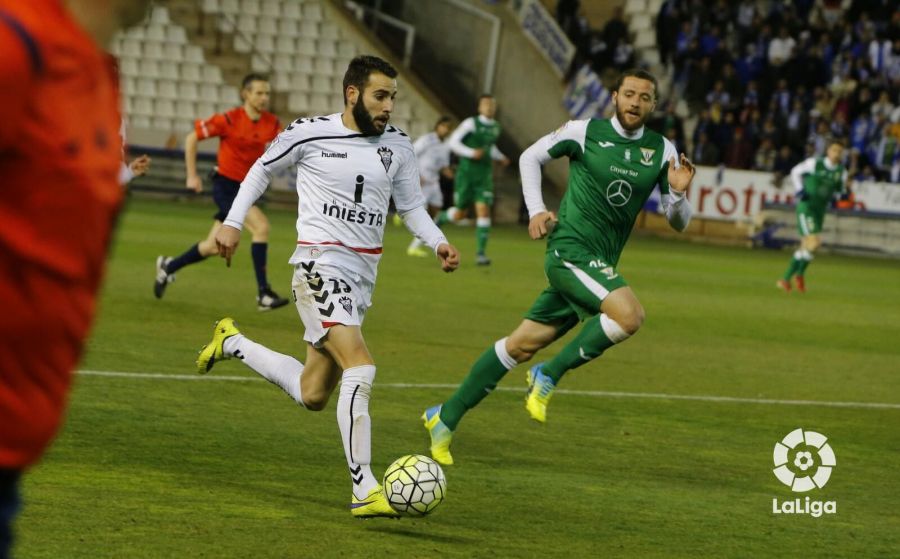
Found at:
<point>346,303</point>
<point>385,154</point>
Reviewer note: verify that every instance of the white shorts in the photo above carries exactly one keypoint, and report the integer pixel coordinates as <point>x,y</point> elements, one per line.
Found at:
<point>433,195</point>
<point>326,295</point>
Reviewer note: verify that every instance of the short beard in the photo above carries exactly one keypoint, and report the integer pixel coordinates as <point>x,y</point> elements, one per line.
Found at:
<point>364,120</point>
<point>620,116</point>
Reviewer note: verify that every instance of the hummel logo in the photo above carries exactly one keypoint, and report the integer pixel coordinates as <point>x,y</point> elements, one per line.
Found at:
<point>606,144</point>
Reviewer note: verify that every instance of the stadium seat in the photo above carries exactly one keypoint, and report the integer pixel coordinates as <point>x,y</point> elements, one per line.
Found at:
<point>228,94</point>
<point>161,123</point>
<point>168,70</point>
<point>176,35</point>
<point>209,92</point>
<point>139,121</point>
<point>319,104</point>
<point>299,82</point>
<point>142,106</point>
<point>153,50</point>
<point>323,66</point>
<point>280,63</point>
<point>188,91</point>
<point>231,7</point>
<point>267,25</point>
<point>132,48</point>
<point>251,7</point>
<point>281,81</point>
<point>242,44</point>
<point>291,10</point>
<point>185,110</point>
<point>190,71</point>
<point>128,66</point>
<point>194,54</point>
<point>211,74</point>
<point>164,107</point>
<point>148,68</point>
<point>283,43</point>
<point>635,6</point>
<point>309,29</point>
<point>211,6</point>
<point>303,64</point>
<point>247,24</point>
<point>127,108</point>
<point>167,89</point>
<point>172,52</point>
<point>156,32</point>
<point>287,28</point>
<point>266,44</point>
<point>306,47</point>
<point>321,84</point>
<point>205,109</point>
<point>346,50</point>
<point>271,8</point>
<point>298,102</point>
<point>160,14</point>
<point>327,47</point>
<point>312,11</point>
<point>329,31</point>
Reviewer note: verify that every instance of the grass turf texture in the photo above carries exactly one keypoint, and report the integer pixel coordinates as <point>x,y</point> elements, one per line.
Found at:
<point>176,468</point>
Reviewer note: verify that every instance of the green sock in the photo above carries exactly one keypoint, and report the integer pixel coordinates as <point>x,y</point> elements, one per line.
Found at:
<point>792,269</point>
<point>481,380</point>
<point>589,344</point>
<point>481,235</point>
<point>801,266</point>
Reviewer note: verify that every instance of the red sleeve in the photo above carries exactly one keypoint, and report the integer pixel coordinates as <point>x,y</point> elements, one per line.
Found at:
<point>216,125</point>
<point>17,76</point>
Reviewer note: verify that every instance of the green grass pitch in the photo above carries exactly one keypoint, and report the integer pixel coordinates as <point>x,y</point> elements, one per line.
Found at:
<point>168,467</point>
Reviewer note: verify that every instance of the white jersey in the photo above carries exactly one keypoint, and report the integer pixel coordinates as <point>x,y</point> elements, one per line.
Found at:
<point>345,182</point>
<point>433,155</point>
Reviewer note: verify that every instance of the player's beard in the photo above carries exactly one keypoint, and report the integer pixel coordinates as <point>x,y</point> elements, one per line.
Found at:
<point>621,115</point>
<point>364,120</point>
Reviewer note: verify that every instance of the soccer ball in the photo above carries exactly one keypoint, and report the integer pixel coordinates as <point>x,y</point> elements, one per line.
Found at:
<point>414,485</point>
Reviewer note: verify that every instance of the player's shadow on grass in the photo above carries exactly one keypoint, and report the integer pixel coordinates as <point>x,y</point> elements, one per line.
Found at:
<point>400,531</point>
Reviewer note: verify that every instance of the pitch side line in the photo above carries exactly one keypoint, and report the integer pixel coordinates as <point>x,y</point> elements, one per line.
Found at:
<point>594,393</point>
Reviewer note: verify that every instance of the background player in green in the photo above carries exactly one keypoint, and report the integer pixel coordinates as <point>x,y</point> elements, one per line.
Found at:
<point>473,142</point>
<point>614,165</point>
<point>817,181</point>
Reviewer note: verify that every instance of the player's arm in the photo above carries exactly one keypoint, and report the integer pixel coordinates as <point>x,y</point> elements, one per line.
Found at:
<point>805,167</point>
<point>215,125</point>
<point>20,66</point>
<point>455,141</point>
<point>567,140</point>
<point>674,180</point>
<point>284,151</point>
<point>497,155</point>
<point>410,202</point>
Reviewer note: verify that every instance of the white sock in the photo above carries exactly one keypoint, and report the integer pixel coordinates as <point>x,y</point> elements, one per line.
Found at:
<point>356,430</point>
<point>451,214</point>
<point>281,370</point>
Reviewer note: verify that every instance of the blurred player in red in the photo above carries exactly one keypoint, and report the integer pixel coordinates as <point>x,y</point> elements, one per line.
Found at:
<point>244,133</point>
<point>60,157</point>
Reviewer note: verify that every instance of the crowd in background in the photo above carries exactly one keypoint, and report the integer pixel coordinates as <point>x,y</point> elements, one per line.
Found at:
<point>770,81</point>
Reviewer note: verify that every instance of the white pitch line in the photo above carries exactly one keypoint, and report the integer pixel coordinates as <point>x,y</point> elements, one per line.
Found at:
<point>594,393</point>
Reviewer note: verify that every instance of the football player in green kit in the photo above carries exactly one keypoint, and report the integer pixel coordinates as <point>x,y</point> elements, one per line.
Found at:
<point>614,165</point>
<point>817,181</point>
<point>473,142</point>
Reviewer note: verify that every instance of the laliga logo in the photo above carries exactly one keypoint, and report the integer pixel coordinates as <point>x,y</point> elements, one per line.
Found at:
<point>803,461</point>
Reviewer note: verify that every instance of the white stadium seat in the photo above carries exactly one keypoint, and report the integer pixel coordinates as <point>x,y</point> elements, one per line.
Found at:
<point>139,121</point>
<point>211,6</point>
<point>228,94</point>
<point>327,47</point>
<point>247,23</point>
<point>312,11</point>
<point>209,92</point>
<point>187,91</point>
<point>153,50</point>
<point>299,82</point>
<point>241,44</point>
<point>251,7</point>
<point>230,7</point>
<point>291,10</point>
<point>281,81</point>
<point>142,106</point>
<point>321,84</point>
<point>309,29</point>
<point>267,25</point>
<point>164,108</point>
<point>205,109</point>
<point>128,66</point>
<point>323,65</point>
<point>167,89</point>
<point>298,102</point>
<point>194,53</point>
<point>284,44</point>
<point>190,71</point>
<point>211,74</point>
<point>266,43</point>
<point>176,34</point>
<point>148,68</point>
<point>185,110</point>
<point>271,7</point>
<point>329,31</point>
<point>156,32</point>
<point>287,27</point>
<point>132,48</point>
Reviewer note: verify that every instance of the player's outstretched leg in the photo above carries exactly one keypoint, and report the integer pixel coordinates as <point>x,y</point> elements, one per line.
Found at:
<point>442,420</point>
<point>163,277</point>
<point>793,268</point>
<point>596,336</point>
<point>281,370</point>
<point>356,432</point>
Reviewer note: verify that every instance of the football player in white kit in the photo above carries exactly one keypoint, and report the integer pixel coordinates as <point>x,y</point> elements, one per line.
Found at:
<point>349,165</point>
<point>434,160</point>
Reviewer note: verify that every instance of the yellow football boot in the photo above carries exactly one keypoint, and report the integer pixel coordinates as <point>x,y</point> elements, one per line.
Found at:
<point>374,505</point>
<point>213,352</point>
<point>540,389</point>
<point>441,435</point>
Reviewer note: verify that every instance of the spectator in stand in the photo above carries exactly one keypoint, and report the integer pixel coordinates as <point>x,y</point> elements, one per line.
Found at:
<point>666,24</point>
<point>818,139</point>
<point>782,97</point>
<point>781,48</point>
<point>796,125</point>
<point>739,153</point>
<point>823,102</point>
<point>784,162</point>
<point>719,95</point>
<point>732,84</point>
<point>705,152</point>
<point>764,160</point>
<point>709,41</point>
<point>567,14</point>
<point>883,107</point>
<point>615,31</point>
<point>699,84</point>
<point>750,66</point>
<point>706,125</point>
<point>861,101</point>
<point>866,174</point>
<point>771,131</point>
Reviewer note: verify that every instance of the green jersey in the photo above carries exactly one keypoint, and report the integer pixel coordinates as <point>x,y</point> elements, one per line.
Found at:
<point>475,133</point>
<point>817,183</point>
<point>612,172</point>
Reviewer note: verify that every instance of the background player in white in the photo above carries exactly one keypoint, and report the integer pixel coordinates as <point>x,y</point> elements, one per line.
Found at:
<point>349,165</point>
<point>434,160</point>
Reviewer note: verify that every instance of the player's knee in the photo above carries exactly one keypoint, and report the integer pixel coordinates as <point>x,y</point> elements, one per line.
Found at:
<point>316,400</point>
<point>630,320</point>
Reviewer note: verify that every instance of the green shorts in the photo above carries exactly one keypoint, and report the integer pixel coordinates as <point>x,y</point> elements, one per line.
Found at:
<point>470,188</point>
<point>579,282</point>
<point>809,221</point>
